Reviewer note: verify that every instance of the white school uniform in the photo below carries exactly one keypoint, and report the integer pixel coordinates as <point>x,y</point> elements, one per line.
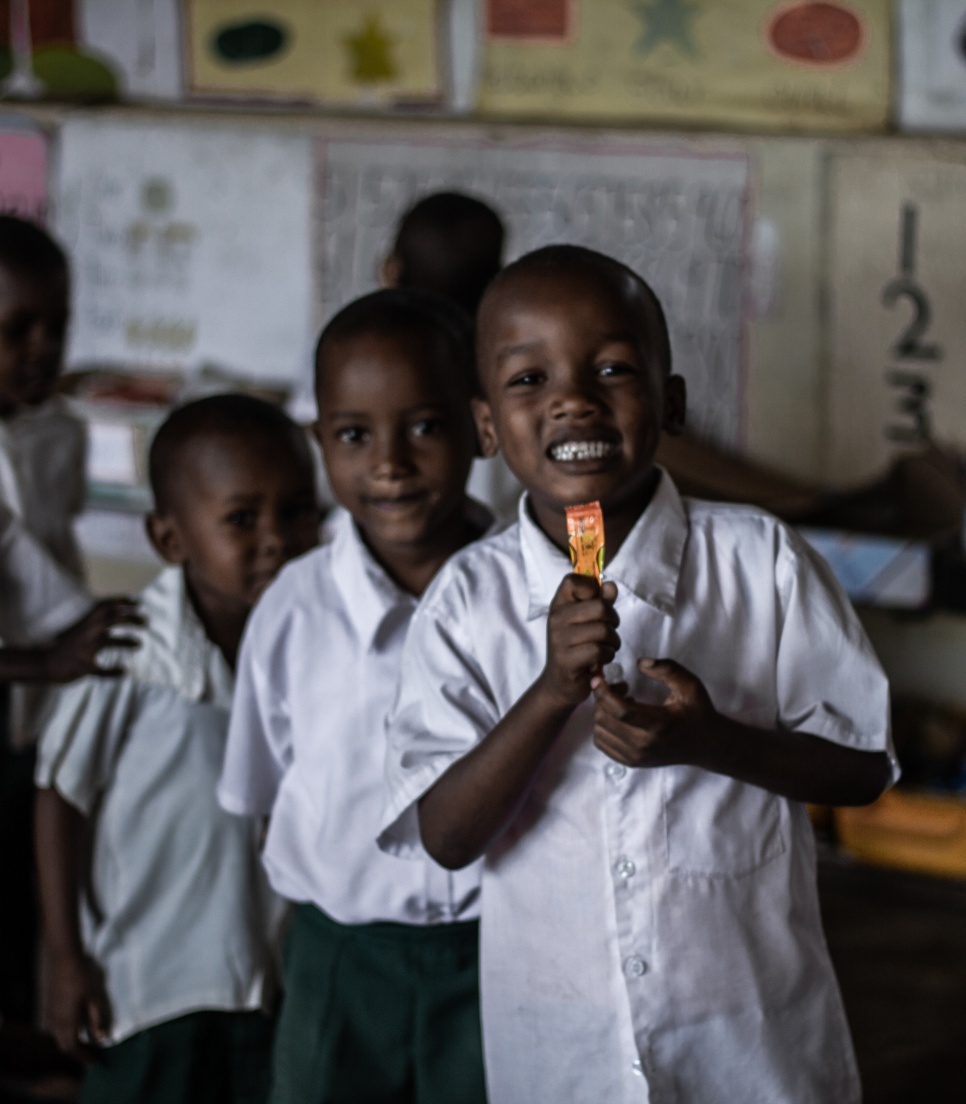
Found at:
<point>648,935</point>
<point>43,456</point>
<point>316,679</point>
<point>38,599</point>
<point>176,908</point>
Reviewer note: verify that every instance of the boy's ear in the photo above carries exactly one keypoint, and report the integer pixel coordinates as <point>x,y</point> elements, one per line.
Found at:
<point>390,272</point>
<point>485,431</point>
<point>165,537</point>
<point>675,405</point>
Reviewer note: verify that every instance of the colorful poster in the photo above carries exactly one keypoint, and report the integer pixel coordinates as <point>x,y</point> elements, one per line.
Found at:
<point>897,329</point>
<point>189,245</point>
<point>678,219</point>
<point>365,52</point>
<point>932,69</point>
<point>23,173</point>
<point>140,40</point>
<point>755,63</point>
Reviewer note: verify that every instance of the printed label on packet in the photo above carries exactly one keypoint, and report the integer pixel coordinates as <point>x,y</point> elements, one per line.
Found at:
<point>585,530</point>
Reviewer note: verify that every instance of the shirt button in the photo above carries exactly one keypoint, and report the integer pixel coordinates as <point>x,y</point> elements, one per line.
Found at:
<point>638,1067</point>
<point>625,868</point>
<point>615,771</point>
<point>635,966</point>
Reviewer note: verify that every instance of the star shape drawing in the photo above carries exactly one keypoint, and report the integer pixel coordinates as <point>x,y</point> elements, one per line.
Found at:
<point>370,51</point>
<point>665,21</point>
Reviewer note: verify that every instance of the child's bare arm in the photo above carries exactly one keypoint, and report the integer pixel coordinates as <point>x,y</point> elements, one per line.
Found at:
<point>687,729</point>
<point>476,799</point>
<point>77,997</point>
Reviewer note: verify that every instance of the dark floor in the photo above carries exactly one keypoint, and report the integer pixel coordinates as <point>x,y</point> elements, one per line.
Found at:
<point>899,945</point>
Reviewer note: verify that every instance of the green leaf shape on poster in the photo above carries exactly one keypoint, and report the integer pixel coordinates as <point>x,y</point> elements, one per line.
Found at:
<point>250,42</point>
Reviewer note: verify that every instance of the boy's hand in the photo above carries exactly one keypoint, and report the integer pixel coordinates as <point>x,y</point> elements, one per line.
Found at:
<point>581,637</point>
<point>640,735</point>
<point>73,653</point>
<point>78,1002</point>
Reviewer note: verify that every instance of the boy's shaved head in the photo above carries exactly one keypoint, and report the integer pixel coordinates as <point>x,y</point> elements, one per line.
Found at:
<point>28,250</point>
<point>242,418</point>
<point>406,311</point>
<point>575,262</point>
<point>450,244</point>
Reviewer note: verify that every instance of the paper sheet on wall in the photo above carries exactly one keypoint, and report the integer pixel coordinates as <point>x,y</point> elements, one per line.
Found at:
<point>337,51</point>
<point>189,244</point>
<point>758,63</point>
<point>897,329</point>
<point>23,173</point>
<point>932,84</point>
<point>678,220</point>
<point>140,40</point>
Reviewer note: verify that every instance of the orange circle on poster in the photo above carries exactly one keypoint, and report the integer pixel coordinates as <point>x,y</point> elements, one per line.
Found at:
<point>816,33</point>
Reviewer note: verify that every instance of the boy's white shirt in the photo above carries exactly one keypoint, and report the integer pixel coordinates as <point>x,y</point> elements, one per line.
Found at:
<point>648,935</point>
<point>316,679</point>
<point>43,456</point>
<point>178,912</point>
<point>38,599</point>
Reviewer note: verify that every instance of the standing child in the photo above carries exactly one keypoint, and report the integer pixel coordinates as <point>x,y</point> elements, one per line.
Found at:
<point>381,978</point>
<point>650,927</point>
<point>157,919</point>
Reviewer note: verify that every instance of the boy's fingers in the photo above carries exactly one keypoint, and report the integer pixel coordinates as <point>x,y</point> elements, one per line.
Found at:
<point>108,641</point>
<point>612,748</point>
<point>577,588</point>
<point>608,591</point>
<point>669,672</point>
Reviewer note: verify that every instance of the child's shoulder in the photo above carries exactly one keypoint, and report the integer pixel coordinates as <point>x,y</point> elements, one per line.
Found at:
<point>476,571</point>
<point>730,522</point>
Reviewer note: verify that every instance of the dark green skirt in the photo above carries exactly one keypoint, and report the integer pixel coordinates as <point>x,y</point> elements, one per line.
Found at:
<point>201,1058</point>
<point>379,1014</point>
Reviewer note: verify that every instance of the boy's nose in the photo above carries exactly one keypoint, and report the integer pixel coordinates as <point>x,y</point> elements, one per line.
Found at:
<point>575,401</point>
<point>391,456</point>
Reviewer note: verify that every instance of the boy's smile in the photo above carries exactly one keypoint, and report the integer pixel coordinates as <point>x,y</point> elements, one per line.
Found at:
<point>577,395</point>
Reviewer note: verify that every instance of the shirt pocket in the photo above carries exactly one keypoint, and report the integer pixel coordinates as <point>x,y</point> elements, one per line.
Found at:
<point>716,827</point>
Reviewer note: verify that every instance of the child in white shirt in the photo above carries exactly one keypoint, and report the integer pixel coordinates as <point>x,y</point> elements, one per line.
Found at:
<point>157,919</point>
<point>650,928</point>
<point>381,982</point>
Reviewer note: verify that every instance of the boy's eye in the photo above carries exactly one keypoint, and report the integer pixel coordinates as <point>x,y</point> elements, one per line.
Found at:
<point>532,377</point>
<point>614,368</point>
<point>242,519</point>
<point>426,427</point>
<point>352,435</point>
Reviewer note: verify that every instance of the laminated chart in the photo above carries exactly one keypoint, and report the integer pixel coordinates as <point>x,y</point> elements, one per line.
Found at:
<point>751,63</point>
<point>23,172</point>
<point>897,330</point>
<point>679,219</point>
<point>188,245</point>
<point>932,64</point>
<point>365,52</point>
<point>140,40</point>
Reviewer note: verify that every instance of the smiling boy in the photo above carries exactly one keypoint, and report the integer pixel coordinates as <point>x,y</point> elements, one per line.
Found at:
<point>650,928</point>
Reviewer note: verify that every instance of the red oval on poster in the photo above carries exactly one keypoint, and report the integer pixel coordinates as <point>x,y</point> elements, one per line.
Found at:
<point>816,33</point>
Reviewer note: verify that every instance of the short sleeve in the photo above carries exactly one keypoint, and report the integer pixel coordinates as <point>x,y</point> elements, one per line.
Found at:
<point>443,709</point>
<point>829,681</point>
<point>38,599</point>
<point>259,747</point>
<point>83,737</point>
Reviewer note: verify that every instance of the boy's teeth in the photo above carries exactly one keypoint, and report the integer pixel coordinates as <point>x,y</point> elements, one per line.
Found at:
<point>581,450</point>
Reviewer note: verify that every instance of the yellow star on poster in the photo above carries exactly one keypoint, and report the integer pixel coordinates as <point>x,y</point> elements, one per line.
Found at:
<point>666,21</point>
<point>371,52</point>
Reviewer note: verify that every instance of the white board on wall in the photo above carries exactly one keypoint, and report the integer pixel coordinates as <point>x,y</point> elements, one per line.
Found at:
<point>189,243</point>
<point>897,329</point>
<point>678,218</point>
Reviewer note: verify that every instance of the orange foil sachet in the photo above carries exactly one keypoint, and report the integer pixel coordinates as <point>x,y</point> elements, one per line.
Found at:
<point>585,529</point>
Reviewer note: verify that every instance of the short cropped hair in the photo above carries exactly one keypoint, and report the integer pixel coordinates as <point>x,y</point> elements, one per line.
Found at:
<point>609,273</point>
<point>28,250</point>
<point>226,415</point>
<point>451,244</point>
<point>407,311</point>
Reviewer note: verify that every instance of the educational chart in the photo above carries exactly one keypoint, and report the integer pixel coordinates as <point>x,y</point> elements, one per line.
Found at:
<point>756,63</point>
<point>677,219</point>
<point>932,69</point>
<point>140,40</point>
<point>897,329</point>
<point>366,52</point>
<point>23,173</point>
<point>188,245</point>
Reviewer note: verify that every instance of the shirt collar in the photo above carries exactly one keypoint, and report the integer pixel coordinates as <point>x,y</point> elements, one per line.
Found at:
<point>648,563</point>
<point>368,594</point>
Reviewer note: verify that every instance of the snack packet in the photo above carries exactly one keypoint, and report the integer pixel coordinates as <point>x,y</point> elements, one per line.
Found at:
<point>585,530</point>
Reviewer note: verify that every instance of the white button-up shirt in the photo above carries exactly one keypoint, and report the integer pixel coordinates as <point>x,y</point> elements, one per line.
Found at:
<point>176,907</point>
<point>316,679</point>
<point>648,934</point>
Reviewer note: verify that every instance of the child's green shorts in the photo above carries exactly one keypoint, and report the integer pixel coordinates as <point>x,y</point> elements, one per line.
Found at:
<point>201,1058</point>
<point>379,1014</point>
